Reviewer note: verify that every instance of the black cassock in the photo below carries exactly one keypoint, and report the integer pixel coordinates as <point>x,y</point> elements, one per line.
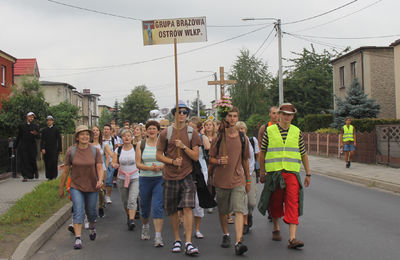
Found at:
<point>51,142</point>
<point>27,149</point>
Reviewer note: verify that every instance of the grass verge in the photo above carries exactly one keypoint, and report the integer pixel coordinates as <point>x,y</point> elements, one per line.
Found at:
<point>28,213</point>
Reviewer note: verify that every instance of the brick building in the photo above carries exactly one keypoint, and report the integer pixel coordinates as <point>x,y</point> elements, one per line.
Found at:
<point>6,74</point>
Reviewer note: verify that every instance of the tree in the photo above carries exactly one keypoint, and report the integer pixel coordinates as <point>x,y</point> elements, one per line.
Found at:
<point>356,105</point>
<point>253,79</point>
<point>137,106</point>
<point>105,118</point>
<point>193,107</point>
<point>116,111</point>
<point>64,115</point>
<point>14,109</point>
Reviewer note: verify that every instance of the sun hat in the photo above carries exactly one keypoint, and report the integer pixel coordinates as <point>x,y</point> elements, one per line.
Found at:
<point>181,104</point>
<point>82,128</point>
<point>287,108</point>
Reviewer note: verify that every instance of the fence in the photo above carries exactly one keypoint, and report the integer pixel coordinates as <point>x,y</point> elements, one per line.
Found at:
<point>388,145</point>
<point>329,145</point>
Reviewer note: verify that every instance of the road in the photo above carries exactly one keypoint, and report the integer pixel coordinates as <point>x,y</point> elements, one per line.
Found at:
<point>341,221</point>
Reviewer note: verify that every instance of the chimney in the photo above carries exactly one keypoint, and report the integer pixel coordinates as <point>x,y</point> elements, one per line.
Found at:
<point>86,91</point>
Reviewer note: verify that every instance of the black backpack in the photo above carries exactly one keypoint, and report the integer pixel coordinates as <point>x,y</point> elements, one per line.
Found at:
<point>242,141</point>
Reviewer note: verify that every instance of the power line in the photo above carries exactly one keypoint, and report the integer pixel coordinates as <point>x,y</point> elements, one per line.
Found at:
<point>317,42</point>
<point>259,48</point>
<point>345,38</point>
<point>99,68</point>
<point>319,15</point>
<point>269,44</point>
<point>337,19</point>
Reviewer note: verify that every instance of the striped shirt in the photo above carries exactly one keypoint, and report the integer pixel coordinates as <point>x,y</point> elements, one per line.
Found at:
<point>284,134</point>
<point>149,157</point>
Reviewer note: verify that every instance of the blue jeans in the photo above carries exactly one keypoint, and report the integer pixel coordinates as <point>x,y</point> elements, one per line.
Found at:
<point>348,147</point>
<point>110,175</point>
<point>151,194</point>
<point>84,202</point>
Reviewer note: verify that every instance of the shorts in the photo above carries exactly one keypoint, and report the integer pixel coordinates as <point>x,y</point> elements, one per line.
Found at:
<point>178,194</point>
<point>232,200</point>
<point>348,147</point>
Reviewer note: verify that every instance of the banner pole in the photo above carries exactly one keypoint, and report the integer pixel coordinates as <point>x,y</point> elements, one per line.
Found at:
<point>176,99</point>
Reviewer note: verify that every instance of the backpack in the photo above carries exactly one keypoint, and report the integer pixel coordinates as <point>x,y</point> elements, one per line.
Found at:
<point>242,141</point>
<point>169,134</point>
<point>142,146</point>
<point>73,150</point>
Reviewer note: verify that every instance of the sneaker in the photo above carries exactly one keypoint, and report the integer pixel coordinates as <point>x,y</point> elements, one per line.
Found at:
<point>145,233</point>
<point>107,199</point>
<point>250,220</point>
<point>78,243</point>
<point>131,224</point>
<point>71,228</point>
<point>198,235</point>
<point>349,164</point>
<point>240,249</point>
<point>246,229</point>
<point>269,218</point>
<point>276,235</point>
<point>92,234</point>
<point>177,247</point>
<point>210,210</point>
<point>101,213</point>
<point>191,250</point>
<point>294,244</point>
<point>226,241</point>
<point>158,242</point>
<point>86,225</point>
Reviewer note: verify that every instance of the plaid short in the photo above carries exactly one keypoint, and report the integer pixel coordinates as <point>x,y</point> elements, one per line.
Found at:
<point>178,194</point>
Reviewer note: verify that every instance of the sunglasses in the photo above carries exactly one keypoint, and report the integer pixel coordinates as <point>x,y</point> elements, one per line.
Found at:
<point>185,112</point>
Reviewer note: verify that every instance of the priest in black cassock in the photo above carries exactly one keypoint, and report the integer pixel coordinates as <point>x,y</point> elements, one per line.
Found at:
<point>26,146</point>
<point>51,148</point>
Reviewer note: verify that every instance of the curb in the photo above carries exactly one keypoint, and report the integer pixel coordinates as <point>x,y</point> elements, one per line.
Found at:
<point>27,248</point>
<point>388,186</point>
<point>5,176</point>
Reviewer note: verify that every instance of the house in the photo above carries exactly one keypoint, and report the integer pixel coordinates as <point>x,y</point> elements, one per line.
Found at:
<point>77,100</point>
<point>25,69</point>
<point>90,114</point>
<point>104,107</point>
<point>374,67</point>
<point>57,92</point>
<point>6,74</point>
<point>396,50</point>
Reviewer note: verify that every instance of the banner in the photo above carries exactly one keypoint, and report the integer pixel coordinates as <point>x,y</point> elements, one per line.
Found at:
<point>164,31</point>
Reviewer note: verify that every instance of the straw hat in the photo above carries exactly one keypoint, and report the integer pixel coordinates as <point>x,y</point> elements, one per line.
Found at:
<point>287,108</point>
<point>82,128</point>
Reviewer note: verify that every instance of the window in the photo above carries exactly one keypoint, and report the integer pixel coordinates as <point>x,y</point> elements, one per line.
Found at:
<point>341,75</point>
<point>353,66</point>
<point>3,75</point>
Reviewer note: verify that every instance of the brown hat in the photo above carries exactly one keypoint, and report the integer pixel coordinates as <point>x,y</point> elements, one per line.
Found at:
<point>287,108</point>
<point>82,128</point>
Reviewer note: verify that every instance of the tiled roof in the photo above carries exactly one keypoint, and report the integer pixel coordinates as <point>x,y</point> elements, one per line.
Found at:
<point>26,67</point>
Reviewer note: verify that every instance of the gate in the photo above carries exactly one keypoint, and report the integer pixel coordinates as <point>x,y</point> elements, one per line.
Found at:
<point>388,145</point>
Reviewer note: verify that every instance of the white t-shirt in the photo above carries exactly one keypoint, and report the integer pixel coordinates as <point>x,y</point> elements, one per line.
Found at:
<point>127,163</point>
<point>252,152</point>
<point>102,155</point>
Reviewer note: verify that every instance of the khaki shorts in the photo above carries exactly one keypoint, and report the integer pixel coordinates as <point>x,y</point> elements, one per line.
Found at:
<point>232,200</point>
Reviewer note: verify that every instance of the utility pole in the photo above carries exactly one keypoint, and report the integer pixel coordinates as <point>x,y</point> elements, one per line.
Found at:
<point>280,73</point>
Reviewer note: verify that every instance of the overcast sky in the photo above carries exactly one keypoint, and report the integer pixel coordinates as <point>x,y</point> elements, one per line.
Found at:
<point>67,42</point>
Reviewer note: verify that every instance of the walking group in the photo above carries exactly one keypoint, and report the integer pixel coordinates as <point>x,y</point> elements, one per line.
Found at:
<point>180,170</point>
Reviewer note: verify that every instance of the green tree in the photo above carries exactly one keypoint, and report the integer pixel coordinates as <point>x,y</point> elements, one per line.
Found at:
<point>253,79</point>
<point>137,106</point>
<point>116,111</point>
<point>356,105</point>
<point>105,118</point>
<point>64,115</point>
<point>14,109</point>
<point>193,107</point>
<point>254,123</point>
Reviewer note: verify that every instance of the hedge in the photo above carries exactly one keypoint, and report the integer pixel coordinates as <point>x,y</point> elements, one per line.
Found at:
<point>368,124</point>
<point>313,122</point>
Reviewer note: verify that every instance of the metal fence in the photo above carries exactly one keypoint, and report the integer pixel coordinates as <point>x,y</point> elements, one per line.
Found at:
<point>388,145</point>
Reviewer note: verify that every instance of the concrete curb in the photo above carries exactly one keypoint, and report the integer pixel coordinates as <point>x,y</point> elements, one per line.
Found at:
<point>373,183</point>
<point>27,248</point>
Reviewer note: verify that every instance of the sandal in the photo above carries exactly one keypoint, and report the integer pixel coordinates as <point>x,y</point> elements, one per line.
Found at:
<point>191,250</point>
<point>177,248</point>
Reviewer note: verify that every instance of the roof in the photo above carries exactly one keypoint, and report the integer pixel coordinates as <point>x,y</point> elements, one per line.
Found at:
<point>53,83</point>
<point>26,67</point>
<point>364,48</point>
<point>395,43</point>
<point>7,56</point>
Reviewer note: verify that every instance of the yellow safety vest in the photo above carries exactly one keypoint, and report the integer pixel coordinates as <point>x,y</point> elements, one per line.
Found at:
<point>283,156</point>
<point>348,134</point>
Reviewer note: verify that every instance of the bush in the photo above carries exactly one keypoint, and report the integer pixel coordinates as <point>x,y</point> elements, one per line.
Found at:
<point>316,121</point>
<point>368,124</point>
<point>327,131</point>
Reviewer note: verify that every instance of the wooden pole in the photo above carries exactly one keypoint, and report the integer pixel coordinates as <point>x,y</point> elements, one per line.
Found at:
<point>176,98</point>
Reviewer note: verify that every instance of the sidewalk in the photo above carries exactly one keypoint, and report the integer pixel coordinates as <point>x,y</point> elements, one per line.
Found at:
<point>371,175</point>
<point>12,189</point>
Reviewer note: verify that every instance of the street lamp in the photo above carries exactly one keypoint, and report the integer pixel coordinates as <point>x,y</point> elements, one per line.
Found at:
<point>215,79</point>
<point>198,100</point>
<point>279,32</point>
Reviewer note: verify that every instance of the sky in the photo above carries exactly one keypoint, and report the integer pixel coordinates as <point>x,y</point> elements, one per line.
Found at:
<point>78,47</point>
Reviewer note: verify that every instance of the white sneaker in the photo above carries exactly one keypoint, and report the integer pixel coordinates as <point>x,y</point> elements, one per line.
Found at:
<point>158,242</point>
<point>86,223</point>
<point>108,199</point>
<point>198,235</point>
<point>145,233</point>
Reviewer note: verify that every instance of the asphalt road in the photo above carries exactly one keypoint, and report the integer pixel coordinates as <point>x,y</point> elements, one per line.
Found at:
<point>341,221</point>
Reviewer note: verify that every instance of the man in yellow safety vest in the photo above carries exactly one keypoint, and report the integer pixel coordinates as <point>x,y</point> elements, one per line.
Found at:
<point>348,141</point>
